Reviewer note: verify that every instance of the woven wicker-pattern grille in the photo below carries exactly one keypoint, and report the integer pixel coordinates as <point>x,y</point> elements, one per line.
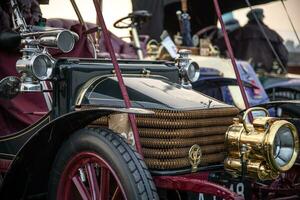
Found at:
<point>167,136</point>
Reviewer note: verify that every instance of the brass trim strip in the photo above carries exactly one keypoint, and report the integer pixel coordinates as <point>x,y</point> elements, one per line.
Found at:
<point>7,154</point>
<point>24,131</point>
<point>194,114</point>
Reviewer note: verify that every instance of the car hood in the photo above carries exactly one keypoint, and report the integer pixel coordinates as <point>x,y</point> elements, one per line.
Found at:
<point>149,93</point>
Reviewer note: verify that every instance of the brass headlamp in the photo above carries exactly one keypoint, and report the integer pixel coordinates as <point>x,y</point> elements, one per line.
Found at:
<point>263,149</point>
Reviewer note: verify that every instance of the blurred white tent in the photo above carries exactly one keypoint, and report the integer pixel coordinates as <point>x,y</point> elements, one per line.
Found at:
<point>112,11</point>
<point>275,16</point>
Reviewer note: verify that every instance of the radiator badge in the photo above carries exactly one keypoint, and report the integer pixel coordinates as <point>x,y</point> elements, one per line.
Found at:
<point>195,155</point>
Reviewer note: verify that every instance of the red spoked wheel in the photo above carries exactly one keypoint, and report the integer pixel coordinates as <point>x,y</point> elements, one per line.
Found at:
<point>88,176</point>
<point>98,164</point>
<point>286,187</point>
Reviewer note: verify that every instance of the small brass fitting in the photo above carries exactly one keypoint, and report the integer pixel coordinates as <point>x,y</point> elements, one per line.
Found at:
<point>195,155</point>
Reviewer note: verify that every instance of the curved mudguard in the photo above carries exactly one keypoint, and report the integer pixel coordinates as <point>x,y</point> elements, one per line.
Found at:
<point>289,105</point>
<point>29,170</point>
<point>278,103</point>
<point>282,83</point>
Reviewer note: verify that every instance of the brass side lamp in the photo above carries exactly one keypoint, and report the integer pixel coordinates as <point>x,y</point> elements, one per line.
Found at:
<point>263,149</point>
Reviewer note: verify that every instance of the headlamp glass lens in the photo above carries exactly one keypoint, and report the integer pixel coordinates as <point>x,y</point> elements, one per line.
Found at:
<point>42,67</point>
<point>193,72</point>
<point>66,41</point>
<point>283,148</point>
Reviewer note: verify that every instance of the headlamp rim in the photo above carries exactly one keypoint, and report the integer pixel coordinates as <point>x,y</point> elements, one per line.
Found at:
<point>34,58</point>
<point>197,73</point>
<point>269,141</point>
<point>73,43</point>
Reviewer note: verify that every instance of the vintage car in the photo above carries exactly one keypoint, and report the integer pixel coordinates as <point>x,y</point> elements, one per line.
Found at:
<point>276,85</point>
<point>139,134</point>
<point>216,79</point>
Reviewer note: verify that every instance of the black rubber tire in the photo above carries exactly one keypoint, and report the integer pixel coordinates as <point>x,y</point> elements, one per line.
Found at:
<point>127,163</point>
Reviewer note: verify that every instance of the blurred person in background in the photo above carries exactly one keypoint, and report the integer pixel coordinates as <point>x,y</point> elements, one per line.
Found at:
<point>29,8</point>
<point>31,12</point>
<point>249,43</point>
<point>164,16</point>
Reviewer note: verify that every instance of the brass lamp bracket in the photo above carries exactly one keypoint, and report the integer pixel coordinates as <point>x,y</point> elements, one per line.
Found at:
<point>248,130</point>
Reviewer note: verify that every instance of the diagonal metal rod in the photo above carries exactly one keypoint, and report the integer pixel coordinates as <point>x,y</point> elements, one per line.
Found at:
<point>122,86</point>
<point>233,61</point>
<point>291,22</point>
<point>82,22</point>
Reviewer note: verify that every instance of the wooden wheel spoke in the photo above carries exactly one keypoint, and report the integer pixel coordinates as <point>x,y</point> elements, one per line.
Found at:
<point>104,183</point>
<point>297,185</point>
<point>117,194</point>
<point>124,23</point>
<point>93,183</point>
<point>81,188</point>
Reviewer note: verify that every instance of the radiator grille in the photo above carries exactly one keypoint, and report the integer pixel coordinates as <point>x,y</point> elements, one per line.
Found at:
<point>167,136</point>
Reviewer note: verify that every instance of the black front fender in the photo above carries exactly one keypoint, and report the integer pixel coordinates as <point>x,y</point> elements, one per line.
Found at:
<point>273,104</point>
<point>29,170</point>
